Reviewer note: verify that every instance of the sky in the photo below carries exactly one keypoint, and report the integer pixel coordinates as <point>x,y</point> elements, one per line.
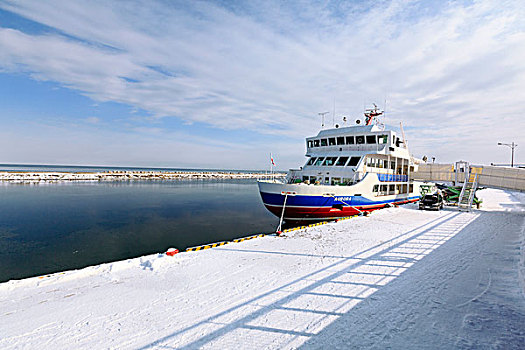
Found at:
<point>222,84</point>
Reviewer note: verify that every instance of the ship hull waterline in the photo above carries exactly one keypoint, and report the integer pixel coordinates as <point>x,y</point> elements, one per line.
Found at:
<point>308,203</point>
<point>299,214</point>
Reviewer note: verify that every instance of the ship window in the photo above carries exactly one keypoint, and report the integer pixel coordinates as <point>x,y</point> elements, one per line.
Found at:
<point>392,189</point>
<point>316,143</point>
<point>311,161</point>
<point>376,188</point>
<point>329,161</point>
<point>411,188</point>
<point>359,140</point>
<point>349,140</point>
<point>385,164</point>
<point>310,143</point>
<point>323,142</point>
<point>331,141</point>
<point>336,181</point>
<point>393,165</point>
<point>371,139</point>
<point>319,161</point>
<point>347,181</point>
<point>342,161</point>
<point>382,138</point>
<point>383,190</point>
<point>341,140</point>
<point>354,161</point>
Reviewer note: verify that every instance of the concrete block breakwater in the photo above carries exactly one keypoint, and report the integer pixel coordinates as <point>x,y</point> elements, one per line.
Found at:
<point>128,175</point>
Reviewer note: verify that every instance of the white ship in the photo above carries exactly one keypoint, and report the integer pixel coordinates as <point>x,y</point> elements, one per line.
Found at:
<point>348,171</point>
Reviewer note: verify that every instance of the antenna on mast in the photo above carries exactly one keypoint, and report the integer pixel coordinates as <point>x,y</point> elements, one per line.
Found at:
<point>405,141</point>
<point>322,114</point>
<point>403,134</point>
<point>333,114</point>
<point>371,115</point>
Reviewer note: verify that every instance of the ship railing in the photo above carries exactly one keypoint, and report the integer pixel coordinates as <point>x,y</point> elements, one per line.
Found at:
<point>272,177</point>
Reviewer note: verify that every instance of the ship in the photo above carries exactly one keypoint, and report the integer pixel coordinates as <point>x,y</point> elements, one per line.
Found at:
<point>349,170</point>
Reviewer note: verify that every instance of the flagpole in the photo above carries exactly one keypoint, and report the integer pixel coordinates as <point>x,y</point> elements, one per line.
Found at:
<point>271,165</point>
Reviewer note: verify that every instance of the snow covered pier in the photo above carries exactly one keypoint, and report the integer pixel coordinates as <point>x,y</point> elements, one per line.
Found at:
<point>23,177</point>
<point>400,278</point>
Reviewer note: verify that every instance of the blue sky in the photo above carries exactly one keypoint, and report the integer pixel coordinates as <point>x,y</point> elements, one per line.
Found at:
<point>223,84</point>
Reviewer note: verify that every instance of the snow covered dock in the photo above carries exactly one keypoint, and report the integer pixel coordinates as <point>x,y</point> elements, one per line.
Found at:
<point>401,279</point>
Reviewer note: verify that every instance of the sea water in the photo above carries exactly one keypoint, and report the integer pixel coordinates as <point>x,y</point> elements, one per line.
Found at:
<point>50,227</point>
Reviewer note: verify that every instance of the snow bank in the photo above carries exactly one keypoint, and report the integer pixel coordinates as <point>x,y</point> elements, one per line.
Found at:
<point>498,200</point>
<point>401,278</point>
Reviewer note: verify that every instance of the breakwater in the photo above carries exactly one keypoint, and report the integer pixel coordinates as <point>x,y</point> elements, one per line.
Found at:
<point>38,176</point>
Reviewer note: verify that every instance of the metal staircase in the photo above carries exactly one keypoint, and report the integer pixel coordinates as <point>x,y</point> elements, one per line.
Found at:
<point>468,191</point>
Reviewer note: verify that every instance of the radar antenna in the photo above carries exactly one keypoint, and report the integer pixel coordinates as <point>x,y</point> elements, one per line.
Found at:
<point>371,114</point>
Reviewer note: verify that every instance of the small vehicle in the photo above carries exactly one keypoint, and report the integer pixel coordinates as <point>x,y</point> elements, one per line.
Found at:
<point>432,201</point>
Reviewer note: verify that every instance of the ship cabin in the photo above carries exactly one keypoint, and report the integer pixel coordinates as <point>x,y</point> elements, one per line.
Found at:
<point>343,156</point>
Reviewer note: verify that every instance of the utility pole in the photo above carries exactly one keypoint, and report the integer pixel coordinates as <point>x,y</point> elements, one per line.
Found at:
<point>512,146</point>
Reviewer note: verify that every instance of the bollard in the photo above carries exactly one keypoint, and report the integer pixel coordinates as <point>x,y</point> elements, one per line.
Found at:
<point>172,251</point>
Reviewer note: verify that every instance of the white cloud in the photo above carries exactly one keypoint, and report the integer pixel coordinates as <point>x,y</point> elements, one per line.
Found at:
<point>453,70</point>
<point>62,143</point>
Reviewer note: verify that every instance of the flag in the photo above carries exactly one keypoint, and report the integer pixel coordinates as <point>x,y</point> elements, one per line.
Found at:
<point>271,159</point>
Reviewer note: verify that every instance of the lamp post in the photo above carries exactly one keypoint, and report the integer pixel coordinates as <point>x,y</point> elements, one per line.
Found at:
<point>512,146</point>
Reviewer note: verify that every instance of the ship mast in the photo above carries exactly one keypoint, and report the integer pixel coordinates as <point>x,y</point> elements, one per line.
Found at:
<point>371,115</point>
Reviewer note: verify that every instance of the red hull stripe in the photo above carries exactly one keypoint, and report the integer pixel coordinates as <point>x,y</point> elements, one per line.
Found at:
<point>318,213</point>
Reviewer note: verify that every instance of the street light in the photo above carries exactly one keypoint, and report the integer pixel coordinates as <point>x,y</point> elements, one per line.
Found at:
<point>512,146</point>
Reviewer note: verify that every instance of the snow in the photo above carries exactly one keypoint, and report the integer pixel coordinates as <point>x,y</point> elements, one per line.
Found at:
<point>400,278</point>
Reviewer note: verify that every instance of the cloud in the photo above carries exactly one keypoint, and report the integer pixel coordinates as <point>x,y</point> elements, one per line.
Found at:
<point>67,143</point>
<point>452,72</point>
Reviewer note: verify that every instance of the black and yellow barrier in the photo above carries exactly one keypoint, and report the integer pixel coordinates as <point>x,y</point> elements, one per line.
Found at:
<point>247,238</point>
<point>206,246</point>
<point>318,224</point>
<point>238,240</point>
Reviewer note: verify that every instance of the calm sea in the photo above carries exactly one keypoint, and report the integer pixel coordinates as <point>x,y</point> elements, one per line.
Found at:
<point>89,169</point>
<point>50,227</point>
